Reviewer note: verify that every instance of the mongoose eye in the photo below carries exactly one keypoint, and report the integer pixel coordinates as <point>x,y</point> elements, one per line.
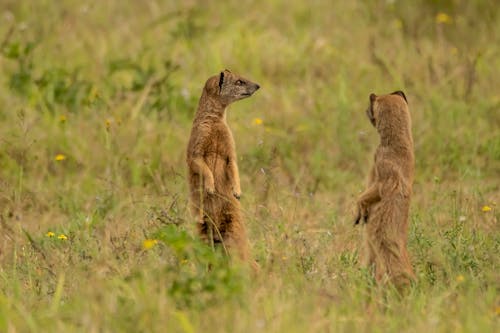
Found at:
<point>239,82</point>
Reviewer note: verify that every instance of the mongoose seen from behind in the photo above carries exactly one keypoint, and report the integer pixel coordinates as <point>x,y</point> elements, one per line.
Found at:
<point>213,171</point>
<point>384,205</point>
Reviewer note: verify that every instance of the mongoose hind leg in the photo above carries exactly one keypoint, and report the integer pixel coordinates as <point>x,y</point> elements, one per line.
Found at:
<point>235,238</point>
<point>392,264</point>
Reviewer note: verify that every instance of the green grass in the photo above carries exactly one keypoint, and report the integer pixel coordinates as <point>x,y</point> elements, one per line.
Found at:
<point>113,86</point>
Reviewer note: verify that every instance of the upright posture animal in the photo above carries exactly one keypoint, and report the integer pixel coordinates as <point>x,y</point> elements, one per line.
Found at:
<point>384,205</point>
<point>213,171</point>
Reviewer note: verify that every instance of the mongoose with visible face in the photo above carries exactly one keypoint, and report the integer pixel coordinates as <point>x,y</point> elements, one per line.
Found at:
<point>384,205</point>
<point>213,171</point>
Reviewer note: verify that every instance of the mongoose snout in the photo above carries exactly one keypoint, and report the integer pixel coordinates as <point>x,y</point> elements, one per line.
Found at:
<point>251,88</point>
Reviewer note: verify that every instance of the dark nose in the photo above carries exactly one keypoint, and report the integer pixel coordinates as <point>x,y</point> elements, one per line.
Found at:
<point>257,87</point>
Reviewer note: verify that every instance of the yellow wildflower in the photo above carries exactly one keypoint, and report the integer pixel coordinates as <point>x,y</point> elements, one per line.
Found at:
<point>497,310</point>
<point>50,234</point>
<point>60,157</point>
<point>443,18</point>
<point>486,208</point>
<point>108,123</point>
<point>62,118</point>
<point>149,243</point>
<point>62,237</point>
<point>257,121</point>
<point>460,278</point>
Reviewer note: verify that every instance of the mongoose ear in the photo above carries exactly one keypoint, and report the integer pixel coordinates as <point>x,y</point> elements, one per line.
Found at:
<point>400,93</point>
<point>221,81</point>
<point>372,97</point>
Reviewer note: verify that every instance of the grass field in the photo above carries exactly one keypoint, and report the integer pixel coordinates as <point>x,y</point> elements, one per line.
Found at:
<point>96,104</point>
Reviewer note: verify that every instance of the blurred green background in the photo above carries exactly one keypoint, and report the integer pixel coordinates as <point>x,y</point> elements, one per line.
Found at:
<point>96,104</point>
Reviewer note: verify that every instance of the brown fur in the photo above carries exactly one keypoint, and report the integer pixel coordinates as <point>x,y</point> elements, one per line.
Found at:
<point>213,171</point>
<point>384,205</point>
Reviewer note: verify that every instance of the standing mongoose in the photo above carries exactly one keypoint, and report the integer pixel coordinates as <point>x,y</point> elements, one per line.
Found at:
<point>213,171</point>
<point>384,205</point>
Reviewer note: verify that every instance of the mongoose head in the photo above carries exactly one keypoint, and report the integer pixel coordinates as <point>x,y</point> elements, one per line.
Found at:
<point>386,106</point>
<point>228,87</point>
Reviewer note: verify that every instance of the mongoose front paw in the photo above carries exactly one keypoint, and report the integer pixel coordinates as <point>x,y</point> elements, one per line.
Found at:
<point>362,214</point>
<point>365,218</point>
<point>210,188</point>
<point>237,192</point>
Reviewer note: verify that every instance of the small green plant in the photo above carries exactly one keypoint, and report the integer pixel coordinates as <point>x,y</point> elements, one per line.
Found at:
<point>199,275</point>
<point>21,80</point>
